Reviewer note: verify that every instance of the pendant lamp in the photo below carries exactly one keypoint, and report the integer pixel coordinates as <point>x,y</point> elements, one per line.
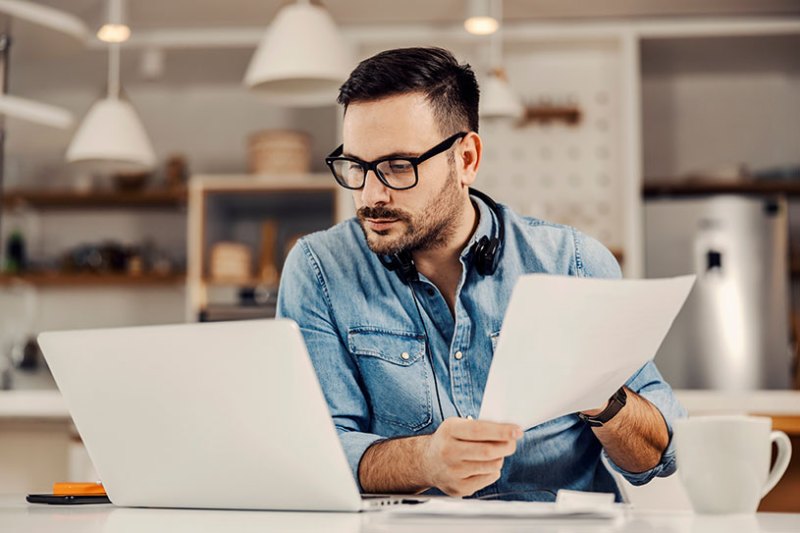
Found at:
<point>302,60</point>
<point>498,100</point>
<point>53,19</point>
<point>111,132</point>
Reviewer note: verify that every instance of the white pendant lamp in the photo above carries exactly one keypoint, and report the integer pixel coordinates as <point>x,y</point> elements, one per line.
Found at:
<point>302,60</point>
<point>46,17</point>
<point>111,132</point>
<point>498,99</point>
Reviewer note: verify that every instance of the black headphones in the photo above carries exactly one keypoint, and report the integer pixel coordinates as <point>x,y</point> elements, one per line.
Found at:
<point>485,251</point>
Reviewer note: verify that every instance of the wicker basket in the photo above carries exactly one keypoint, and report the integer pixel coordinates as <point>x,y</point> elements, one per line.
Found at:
<point>279,152</point>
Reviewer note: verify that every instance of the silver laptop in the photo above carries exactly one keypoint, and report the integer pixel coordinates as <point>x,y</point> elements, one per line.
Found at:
<point>221,415</point>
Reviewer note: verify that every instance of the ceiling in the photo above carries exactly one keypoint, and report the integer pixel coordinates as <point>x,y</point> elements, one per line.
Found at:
<point>39,54</point>
<point>148,14</point>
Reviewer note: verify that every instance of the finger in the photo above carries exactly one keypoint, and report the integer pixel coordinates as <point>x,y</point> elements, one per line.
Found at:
<point>479,451</point>
<point>468,469</point>
<point>481,430</point>
<point>473,484</point>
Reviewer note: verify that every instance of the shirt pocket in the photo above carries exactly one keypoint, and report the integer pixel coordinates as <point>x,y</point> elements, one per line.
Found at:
<point>395,374</point>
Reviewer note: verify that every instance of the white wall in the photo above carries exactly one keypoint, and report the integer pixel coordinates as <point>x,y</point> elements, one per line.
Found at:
<point>719,102</point>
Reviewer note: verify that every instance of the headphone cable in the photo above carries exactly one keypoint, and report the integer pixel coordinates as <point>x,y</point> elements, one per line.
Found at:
<point>428,350</point>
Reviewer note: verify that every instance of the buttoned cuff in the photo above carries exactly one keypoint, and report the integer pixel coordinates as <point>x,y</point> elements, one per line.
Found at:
<point>355,444</point>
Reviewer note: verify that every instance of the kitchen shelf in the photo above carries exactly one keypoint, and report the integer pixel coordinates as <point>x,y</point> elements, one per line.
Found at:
<point>704,187</point>
<point>237,282</point>
<point>221,312</point>
<point>57,279</point>
<point>55,199</point>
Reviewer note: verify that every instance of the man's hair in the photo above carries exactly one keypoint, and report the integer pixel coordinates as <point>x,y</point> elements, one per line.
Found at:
<point>450,88</point>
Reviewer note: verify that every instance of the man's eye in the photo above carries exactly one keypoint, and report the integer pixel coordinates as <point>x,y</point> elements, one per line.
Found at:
<point>400,166</point>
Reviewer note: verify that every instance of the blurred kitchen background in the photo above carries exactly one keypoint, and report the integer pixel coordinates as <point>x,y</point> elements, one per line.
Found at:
<point>160,158</point>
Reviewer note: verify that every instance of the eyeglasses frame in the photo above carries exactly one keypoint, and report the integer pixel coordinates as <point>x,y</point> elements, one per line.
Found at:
<point>336,155</point>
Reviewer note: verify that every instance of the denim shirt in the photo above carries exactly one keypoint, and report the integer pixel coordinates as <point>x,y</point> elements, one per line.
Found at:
<point>367,344</point>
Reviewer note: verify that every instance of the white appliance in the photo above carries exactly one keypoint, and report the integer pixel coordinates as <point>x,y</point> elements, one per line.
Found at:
<point>733,332</point>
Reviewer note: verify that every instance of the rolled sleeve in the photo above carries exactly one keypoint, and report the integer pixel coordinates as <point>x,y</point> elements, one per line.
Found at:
<point>355,443</point>
<point>649,384</point>
<point>303,297</point>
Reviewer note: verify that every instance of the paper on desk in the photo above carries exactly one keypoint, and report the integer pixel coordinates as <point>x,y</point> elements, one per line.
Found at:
<point>568,343</point>
<point>575,505</point>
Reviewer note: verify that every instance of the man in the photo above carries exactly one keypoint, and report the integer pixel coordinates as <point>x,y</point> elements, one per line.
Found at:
<point>403,362</point>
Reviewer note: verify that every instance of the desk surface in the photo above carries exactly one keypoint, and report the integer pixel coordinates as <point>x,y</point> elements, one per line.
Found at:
<point>16,515</point>
<point>48,404</point>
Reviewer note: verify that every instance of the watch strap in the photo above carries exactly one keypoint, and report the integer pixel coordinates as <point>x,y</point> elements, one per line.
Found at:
<point>615,403</point>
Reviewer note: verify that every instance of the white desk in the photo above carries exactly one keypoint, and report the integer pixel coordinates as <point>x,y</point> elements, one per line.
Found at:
<point>18,516</point>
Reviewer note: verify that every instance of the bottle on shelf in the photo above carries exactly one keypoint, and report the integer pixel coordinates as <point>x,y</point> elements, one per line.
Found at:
<point>16,255</point>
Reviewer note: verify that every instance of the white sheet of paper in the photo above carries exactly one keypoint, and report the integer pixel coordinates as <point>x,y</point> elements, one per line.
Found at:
<point>568,343</point>
<point>568,505</point>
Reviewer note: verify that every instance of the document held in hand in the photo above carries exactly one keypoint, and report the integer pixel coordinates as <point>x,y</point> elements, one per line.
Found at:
<point>568,343</point>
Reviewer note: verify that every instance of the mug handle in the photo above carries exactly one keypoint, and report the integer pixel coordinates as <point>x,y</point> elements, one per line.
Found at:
<point>782,461</point>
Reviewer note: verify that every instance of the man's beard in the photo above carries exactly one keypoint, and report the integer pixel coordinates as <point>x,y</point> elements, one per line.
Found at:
<point>429,230</point>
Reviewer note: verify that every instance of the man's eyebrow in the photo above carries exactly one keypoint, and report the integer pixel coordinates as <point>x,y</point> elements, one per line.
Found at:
<point>393,154</point>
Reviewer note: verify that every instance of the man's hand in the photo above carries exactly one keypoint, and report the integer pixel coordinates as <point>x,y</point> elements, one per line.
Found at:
<point>463,456</point>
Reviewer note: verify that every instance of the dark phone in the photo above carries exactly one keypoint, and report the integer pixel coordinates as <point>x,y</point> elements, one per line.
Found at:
<point>52,499</point>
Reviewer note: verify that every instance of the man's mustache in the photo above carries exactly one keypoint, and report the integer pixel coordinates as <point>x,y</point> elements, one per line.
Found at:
<point>381,213</point>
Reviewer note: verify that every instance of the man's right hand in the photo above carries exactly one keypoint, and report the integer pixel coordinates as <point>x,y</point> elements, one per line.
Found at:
<point>464,456</point>
<point>461,457</point>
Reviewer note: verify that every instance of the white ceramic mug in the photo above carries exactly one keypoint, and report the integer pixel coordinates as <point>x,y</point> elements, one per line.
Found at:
<point>723,461</point>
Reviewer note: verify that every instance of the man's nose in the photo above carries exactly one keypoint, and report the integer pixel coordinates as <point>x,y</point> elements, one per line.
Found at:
<point>374,191</point>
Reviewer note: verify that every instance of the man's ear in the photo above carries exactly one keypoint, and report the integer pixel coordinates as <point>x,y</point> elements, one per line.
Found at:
<point>468,158</point>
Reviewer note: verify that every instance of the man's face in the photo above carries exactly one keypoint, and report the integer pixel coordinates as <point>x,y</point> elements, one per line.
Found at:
<point>423,217</point>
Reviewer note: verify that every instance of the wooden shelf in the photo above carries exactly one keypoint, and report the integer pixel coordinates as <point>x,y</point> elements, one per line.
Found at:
<point>237,282</point>
<point>701,187</point>
<point>145,199</point>
<point>218,312</point>
<point>63,279</point>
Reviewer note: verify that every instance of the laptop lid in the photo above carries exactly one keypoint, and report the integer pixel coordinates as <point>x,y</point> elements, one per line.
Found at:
<point>221,415</point>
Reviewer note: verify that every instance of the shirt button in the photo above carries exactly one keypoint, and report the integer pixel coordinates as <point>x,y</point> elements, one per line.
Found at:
<point>404,355</point>
<point>469,417</point>
<point>430,291</point>
<point>459,355</point>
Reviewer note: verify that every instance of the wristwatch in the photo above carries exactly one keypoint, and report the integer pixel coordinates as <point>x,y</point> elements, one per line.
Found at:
<point>615,403</point>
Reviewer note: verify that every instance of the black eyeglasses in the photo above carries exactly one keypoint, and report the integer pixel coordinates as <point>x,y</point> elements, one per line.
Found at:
<point>398,173</point>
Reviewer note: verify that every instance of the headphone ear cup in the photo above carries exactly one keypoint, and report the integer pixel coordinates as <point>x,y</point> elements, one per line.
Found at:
<point>485,256</point>
<point>402,264</point>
